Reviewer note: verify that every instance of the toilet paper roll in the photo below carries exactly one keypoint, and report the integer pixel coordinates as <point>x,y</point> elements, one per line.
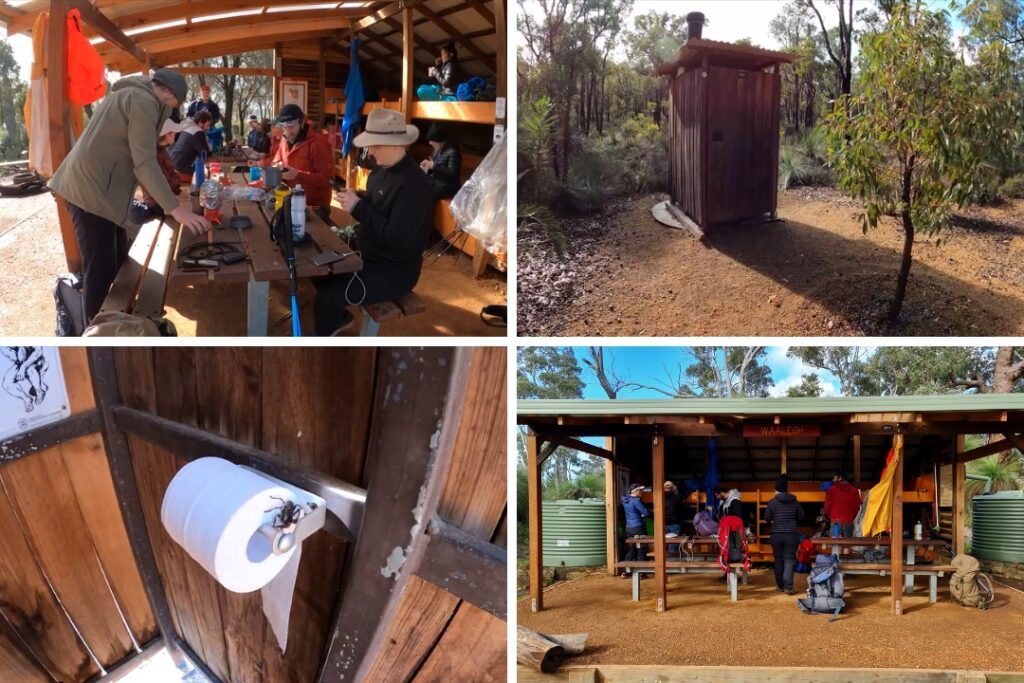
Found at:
<point>214,510</point>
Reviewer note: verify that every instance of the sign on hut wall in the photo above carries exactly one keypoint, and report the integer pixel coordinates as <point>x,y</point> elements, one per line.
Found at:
<point>33,389</point>
<point>781,431</point>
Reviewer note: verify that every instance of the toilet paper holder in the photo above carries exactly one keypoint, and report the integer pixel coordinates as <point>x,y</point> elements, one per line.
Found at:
<point>297,518</point>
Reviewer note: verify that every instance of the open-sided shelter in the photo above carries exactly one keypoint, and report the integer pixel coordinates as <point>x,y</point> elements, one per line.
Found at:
<point>399,39</point>
<point>651,441</point>
<point>723,135</point>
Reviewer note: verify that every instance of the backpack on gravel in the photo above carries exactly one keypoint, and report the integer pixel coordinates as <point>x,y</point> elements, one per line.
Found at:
<point>825,588</point>
<point>968,585</point>
<point>67,296</point>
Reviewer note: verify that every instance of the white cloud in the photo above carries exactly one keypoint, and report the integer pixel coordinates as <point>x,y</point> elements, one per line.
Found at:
<point>787,372</point>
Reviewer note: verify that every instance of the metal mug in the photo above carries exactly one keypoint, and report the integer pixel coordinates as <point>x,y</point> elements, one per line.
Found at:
<point>271,176</point>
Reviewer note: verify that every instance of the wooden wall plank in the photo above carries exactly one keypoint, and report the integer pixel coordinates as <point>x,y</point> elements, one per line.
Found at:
<point>472,648</point>
<point>61,542</point>
<point>15,666</point>
<point>86,463</point>
<point>28,603</point>
<point>473,498</point>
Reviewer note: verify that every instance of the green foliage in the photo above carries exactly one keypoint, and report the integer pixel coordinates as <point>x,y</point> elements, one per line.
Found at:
<point>908,370</point>
<point>13,138</point>
<point>810,386</point>
<point>1013,188</point>
<point>585,485</point>
<point>916,140</point>
<point>536,134</point>
<point>1006,475</point>
<point>548,372</point>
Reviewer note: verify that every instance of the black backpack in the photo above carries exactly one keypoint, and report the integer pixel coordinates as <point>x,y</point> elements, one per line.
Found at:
<point>70,303</point>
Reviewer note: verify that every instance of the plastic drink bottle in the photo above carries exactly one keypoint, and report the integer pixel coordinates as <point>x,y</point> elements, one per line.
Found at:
<point>298,214</point>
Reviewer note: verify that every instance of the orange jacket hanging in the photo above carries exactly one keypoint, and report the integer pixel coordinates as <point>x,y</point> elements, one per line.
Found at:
<point>85,66</point>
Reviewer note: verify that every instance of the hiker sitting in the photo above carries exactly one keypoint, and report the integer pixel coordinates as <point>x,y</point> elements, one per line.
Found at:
<point>255,136</point>
<point>447,72</point>
<point>673,513</point>
<point>635,514</point>
<point>117,151</point>
<point>192,143</point>
<point>394,217</point>
<point>148,207</point>
<point>445,166</point>
<point>842,503</point>
<point>306,158</point>
<point>783,514</point>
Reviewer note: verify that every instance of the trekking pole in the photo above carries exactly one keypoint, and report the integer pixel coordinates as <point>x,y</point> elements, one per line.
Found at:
<point>281,232</point>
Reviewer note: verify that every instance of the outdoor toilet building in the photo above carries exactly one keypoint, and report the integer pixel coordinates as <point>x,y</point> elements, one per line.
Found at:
<point>723,130</point>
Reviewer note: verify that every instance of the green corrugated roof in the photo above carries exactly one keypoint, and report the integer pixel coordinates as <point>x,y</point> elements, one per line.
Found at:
<point>941,403</point>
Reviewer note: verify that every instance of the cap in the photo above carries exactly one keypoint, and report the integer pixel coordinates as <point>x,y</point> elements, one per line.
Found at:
<point>252,117</point>
<point>436,133</point>
<point>782,484</point>
<point>204,88</point>
<point>289,115</point>
<point>173,81</point>
<point>636,487</point>
<point>170,127</point>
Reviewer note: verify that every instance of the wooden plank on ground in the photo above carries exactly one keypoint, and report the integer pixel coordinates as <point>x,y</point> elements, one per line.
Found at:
<point>617,673</point>
<point>383,311</point>
<point>27,602</point>
<point>61,543</point>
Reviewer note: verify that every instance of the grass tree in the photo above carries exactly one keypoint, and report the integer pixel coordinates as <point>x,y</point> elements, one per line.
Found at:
<point>916,139</point>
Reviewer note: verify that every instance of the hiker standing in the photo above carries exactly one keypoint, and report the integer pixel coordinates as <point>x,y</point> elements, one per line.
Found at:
<point>635,513</point>
<point>783,513</point>
<point>204,103</point>
<point>842,503</point>
<point>729,503</point>
<point>117,151</point>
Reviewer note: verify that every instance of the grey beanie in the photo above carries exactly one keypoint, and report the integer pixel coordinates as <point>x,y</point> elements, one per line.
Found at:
<point>173,81</point>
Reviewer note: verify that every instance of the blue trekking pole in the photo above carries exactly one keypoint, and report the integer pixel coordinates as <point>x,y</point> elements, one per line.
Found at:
<point>281,232</point>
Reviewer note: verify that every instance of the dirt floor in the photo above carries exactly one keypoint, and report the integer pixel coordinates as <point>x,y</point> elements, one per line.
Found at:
<point>765,628</point>
<point>32,254</point>
<point>812,274</point>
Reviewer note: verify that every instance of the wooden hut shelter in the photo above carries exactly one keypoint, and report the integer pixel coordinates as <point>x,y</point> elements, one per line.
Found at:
<point>723,134</point>
<point>405,581</point>
<point>754,440</point>
<point>399,40</point>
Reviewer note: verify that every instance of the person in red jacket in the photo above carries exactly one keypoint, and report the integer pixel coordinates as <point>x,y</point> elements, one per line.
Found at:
<point>307,159</point>
<point>842,503</point>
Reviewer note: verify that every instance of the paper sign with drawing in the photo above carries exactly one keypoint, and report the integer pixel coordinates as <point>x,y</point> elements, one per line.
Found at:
<point>33,389</point>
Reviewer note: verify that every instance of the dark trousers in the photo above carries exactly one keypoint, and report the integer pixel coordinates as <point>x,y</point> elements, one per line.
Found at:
<point>634,551</point>
<point>104,247</point>
<point>784,550</point>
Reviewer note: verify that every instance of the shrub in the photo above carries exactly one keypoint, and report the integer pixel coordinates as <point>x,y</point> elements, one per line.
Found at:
<point>1013,187</point>
<point>796,168</point>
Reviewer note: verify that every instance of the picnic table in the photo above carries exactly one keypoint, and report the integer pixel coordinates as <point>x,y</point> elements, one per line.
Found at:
<point>685,566</point>
<point>911,546</point>
<point>265,262</point>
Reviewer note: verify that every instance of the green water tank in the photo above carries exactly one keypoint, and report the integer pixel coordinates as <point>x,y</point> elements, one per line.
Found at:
<point>998,527</point>
<point>574,532</point>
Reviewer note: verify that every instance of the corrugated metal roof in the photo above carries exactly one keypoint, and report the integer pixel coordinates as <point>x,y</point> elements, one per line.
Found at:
<point>941,403</point>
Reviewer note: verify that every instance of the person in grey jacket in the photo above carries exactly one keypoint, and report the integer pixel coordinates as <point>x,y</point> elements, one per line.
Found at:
<point>97,180</point>
<point>446,70</point>
<point>784,512</point>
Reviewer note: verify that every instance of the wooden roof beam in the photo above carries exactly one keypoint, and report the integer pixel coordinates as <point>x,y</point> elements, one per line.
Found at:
<point>110,32</point>
<point>220,71</point>
<point>382,14</point>
<point>482,10</point>
<point>443,24</point>
<point>416,22</point>
<point>1000,446</point>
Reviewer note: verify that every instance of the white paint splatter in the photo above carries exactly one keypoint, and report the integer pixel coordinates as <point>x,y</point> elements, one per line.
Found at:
<point>395,561</point>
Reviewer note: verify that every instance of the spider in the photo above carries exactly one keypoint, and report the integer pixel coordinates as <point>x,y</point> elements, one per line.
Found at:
<point>290,512</point>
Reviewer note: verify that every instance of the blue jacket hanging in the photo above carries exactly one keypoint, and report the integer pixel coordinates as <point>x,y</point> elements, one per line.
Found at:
<point>355,98</point>
<point>711,476</point>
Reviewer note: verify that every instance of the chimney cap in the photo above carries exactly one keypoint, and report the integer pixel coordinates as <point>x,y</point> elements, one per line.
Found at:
<point>694,24</point>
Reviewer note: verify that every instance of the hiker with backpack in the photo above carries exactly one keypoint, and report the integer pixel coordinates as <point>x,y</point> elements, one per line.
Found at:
<point>729,502</point>
<point>783,514</point>
<point>635,514</point>
<point>842,503</point>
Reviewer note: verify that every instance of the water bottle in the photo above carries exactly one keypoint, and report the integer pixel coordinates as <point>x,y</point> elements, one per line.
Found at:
<point>199,174</point>
<point>298,214</point>
<point>918,531</point>
<point>280,192</point>
<point>254,173</point>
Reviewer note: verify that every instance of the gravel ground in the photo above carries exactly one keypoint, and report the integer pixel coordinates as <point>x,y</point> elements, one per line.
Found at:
<point>765,628</point>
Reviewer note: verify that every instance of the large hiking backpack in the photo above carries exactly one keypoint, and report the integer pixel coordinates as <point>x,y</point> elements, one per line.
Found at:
<point>825,588</point>
<point>968,585</point>
<point>705,524</point>
<point>67,296</point>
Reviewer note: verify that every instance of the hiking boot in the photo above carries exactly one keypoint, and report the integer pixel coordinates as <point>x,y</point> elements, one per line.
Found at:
<point>780,589</point>
<point>790,591</point>
<point>624,575</point>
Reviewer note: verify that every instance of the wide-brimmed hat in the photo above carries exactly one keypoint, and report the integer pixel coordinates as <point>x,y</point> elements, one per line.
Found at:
<point>387,127</point>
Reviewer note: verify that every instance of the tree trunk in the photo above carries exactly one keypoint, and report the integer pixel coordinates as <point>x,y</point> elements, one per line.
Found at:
<point>901,283</point>
<point>538,652</point>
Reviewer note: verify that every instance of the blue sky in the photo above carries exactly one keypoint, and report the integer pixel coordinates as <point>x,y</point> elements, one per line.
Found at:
<point>645,364</point>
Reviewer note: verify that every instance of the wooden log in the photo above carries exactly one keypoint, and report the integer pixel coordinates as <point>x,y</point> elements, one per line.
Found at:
<point>573,643</point>
<point>537,651</point>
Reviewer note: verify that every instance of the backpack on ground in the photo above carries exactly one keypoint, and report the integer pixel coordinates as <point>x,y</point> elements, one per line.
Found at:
<point>968,585</point>
<point>825,588</point>
<point>67,296</point>
<point>705,524</point>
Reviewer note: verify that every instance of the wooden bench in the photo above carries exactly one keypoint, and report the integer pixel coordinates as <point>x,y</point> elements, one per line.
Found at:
<point>736,571</point>
<point>375,314</point>
<point>141,284</point>
<point>932,571</point>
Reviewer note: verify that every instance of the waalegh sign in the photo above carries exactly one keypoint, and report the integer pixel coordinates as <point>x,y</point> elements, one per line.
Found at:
<point>780,431</point>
